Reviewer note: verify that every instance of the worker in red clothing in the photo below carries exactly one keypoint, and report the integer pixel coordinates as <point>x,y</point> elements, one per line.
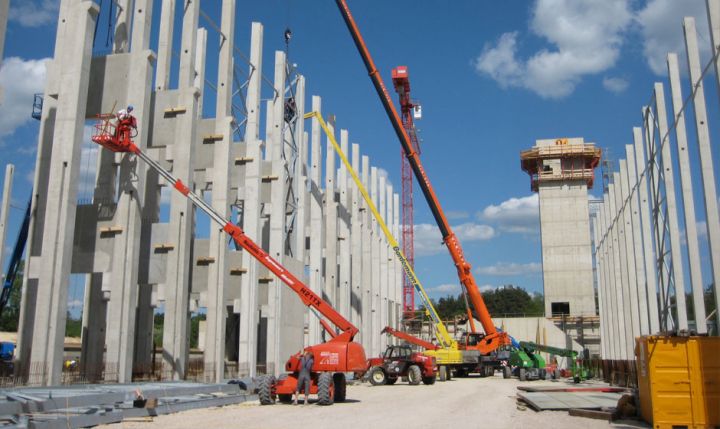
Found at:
<point>126,122</point>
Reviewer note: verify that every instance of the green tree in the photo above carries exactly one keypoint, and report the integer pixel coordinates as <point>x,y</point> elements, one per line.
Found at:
<point>512,300</point>
<point>73,326</point>
<point>11,312</point>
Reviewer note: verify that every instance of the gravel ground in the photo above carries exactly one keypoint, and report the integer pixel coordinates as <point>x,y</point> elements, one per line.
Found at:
<point>463,403</point>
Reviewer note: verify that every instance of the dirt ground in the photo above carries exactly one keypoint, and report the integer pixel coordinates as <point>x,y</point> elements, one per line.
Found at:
<point>458,404</point>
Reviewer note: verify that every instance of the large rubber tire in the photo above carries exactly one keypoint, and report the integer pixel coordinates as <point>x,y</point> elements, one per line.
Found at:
<point>377,376</point>
<point>340,386</point>
<point>285,398</point>
<point>449,373</point>
<point>507,372</point>
<point>522,374</point>
<point>429,380</point>
<point>443,373</point>
<point>391,380</point>
<point>326,389</point>
<point>266,383</point>
<point>414,375</point>
<point>490,371</point>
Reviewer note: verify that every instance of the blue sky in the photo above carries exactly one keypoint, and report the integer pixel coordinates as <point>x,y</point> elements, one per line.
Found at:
<point>492,78</point>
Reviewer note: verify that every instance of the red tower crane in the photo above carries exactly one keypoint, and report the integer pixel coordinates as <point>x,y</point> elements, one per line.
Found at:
<point>401,81</point>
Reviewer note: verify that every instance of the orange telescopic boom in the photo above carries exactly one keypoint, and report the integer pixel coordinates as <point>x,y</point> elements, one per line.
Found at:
<point>493,338</point>
<point>338,355</point>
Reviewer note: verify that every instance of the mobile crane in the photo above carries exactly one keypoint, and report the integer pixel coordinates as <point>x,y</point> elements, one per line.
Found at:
<point>338,355</point>
<point>493,339</point>
<point>463,357</point>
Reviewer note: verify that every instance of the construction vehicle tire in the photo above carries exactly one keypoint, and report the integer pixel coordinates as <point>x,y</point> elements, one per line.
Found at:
<point>377,376</point>
<point>443,373</point>
<point>265,390</point>
<point>429,380</point>
<point>326,389</point>
<point>507,372</point>
<point>340,386</point>
<point>391,380</point>
<point>414,375</point>
<point>448,370</point>
<point>522,374</point>
<point>285,398</point>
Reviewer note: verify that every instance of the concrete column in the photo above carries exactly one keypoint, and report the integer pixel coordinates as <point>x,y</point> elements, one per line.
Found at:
<point>672,216</point>
<point>376,267</point>
<point>645,211</point>
<point>598,282</point>
<point>316,220</point>
<point>247,347</point>
<point>4,8</point>
<point>691,237</point>
<point>165,44</point>
<point>642,302</point>
<point>301,173</point>
<point>398,267</point>
<point>4,208</point>
<point>144,331</point>
<point>703,138</point>
<point>624,283</point>
<point>121,39</point>
<point>275,142</point>
<point>356,295</point>
<point>390,262</point>
<point>713,14</point>
<point>611,322</point>
<point>331,262</point>
<point>383,257</point>
<point>218,272</point>
<point>93,330</point>
<point>626,220</point>
<point>199,79</point>
<point>344,220</point>
<point>58,230</point>
<point>367,264</point>
<point>623,319</point>
<point>182,212</point>
<point>142,25</point>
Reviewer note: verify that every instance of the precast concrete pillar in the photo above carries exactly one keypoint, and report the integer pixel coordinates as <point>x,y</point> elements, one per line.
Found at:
<point>691,237</point>
<point>642,302</point>
<point>344,220</point>
<point>707,169</point>
<point>626,221</point>
<point>376,267</point>
<point>4,208</point>
<point>316,219</point>
<point>247,344</point>
<point>646,225</point>
<point>356,224</point>
<point>331,234</point>
<point>619,225</point>
<point>618,285</point>
<point>367,264</point>
<point>382,307</point>
<point>678,278</point>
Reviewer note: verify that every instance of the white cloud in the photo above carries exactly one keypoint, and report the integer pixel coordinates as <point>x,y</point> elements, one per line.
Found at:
<point>585,35</point>
<point>510,269</point>
<point>34,13</point>
<point>76,303</point>
<point>381,172</point>
<point>447,288</point>
<point>661,27</point>
<point>428,240</point>
<point>615,84</point>
<point>20,80</point>
<point>518,215</point>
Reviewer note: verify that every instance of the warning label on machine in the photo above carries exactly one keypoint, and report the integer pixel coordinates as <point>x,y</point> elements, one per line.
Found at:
<point>329,358</point>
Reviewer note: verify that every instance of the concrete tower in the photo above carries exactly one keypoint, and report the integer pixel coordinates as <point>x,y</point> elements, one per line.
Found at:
<point>561,171</point>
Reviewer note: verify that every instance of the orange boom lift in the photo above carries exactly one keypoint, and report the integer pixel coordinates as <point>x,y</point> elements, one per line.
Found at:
<point>333,358</point>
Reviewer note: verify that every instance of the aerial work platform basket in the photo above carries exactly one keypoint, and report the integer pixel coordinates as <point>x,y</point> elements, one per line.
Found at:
<point>113,135</point>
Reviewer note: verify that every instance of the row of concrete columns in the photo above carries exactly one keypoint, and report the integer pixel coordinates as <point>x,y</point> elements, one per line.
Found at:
<point>640,254</point>
<point>284,188</point>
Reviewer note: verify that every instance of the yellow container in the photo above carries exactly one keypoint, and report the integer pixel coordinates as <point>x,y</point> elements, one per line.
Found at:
<point>679,381</point>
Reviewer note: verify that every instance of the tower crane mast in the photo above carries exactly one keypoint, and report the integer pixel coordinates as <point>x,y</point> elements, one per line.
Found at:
<point>401,82</point>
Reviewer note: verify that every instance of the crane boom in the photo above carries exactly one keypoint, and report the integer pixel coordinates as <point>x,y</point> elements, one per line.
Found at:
<point>308,297</point>
<point>463,267</point>
<point>442,334</point>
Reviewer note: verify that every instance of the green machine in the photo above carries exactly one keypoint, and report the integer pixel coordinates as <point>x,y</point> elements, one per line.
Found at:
<point>530,365</point>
